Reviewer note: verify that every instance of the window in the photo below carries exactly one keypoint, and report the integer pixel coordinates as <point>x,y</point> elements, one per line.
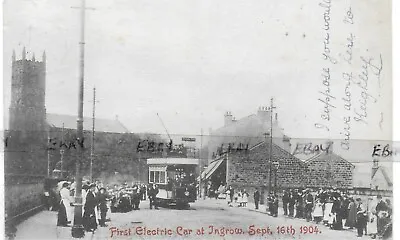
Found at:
<point>162,177</point>
<point>151,177</point>
<point>157,177</point>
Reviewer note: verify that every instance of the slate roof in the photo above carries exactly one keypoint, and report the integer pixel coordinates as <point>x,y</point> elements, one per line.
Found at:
<point>323,155</point>
<point>384,173</point>
<point>101,125</point>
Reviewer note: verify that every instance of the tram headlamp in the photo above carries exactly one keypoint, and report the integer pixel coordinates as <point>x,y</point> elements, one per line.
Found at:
<point>187,194</point>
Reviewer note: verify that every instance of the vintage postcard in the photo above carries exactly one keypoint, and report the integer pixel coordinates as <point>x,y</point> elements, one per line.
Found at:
<point>140,119</point>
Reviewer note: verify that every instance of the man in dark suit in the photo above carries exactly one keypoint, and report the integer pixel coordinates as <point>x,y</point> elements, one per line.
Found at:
<point>381,210</point>
<point>152,193</point>
<point>292,201</point>
<point>256,196</point>
<point>309,200</point>
<point>285,202</point>
<point>102,200</point>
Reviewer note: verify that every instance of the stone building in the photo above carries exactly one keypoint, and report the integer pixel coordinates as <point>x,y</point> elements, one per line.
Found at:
<point>24,152</point>
<point>250,169</point>
<point>243,151</point>
<point>327,169</point>
<point>246,131</point>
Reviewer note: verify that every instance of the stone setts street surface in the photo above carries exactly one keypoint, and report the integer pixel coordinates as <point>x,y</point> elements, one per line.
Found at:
<point>206,219</point>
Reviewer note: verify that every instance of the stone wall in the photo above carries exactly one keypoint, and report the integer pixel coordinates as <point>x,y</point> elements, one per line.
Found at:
<point>22,193</point>
<point>330,170</point>
<point>250,169</point>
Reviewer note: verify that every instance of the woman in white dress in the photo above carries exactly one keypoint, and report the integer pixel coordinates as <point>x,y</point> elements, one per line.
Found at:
<point>228,199</point>
<point>66,200</point>
<point>318,212</point>
<point>245,198</point>
<point>328,215</point>
<point>372,228</point>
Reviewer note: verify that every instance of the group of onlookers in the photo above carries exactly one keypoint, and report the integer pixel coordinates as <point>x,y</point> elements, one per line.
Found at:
<point>127,197</point>
<point>370,215</point>
<point>97,200</point>
<point>337,210</point>
<point>94,202</point>
<point>239,198</point>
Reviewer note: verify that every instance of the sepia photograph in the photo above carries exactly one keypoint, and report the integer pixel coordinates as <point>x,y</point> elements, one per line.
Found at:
<point>140,119</point>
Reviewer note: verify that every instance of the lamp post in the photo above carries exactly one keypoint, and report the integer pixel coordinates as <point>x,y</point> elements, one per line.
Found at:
<point>276,167</point>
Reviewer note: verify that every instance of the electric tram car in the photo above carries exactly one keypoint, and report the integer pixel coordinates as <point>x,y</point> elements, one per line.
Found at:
<point>176,180</point>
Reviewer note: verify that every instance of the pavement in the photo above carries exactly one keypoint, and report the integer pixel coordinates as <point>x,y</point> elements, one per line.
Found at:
<point>213,216</point>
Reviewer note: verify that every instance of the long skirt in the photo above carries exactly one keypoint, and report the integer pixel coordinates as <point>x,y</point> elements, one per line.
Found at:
<point>89,219</point>
<point>62,219</point>
<point>371,224</point>
<point>327,212</point>
<point>68,209</point>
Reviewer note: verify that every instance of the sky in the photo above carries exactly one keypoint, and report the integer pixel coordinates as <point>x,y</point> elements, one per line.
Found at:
<point>191,61</point>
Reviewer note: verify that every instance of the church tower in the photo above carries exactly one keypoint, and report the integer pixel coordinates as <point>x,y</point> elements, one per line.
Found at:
<point>28,88</point>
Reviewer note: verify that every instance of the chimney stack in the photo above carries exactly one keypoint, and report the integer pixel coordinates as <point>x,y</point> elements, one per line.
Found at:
<point>264,113</point>
<point>329,146</point>
<point>228,118</point>
<point>23,53</point>
<point>286,143</point>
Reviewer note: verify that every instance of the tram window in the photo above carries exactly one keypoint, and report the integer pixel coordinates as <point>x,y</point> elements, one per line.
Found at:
<point>157,177</point>
<point>151,180</point>
<point>162,177</point>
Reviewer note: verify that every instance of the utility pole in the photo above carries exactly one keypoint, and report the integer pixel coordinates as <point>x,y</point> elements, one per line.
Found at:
<point>270,146</point>
<point>77,229</point>
<point>200,160</point>
<point>48,153</point>
<point>62,152</point>
<point>93,128</point>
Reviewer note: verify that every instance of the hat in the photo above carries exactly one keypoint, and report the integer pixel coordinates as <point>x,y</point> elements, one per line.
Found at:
<point>86,187</point>
<point>92,185</point>
<point>358,199</point>
<point>103,188</point>
<point>379,196</point>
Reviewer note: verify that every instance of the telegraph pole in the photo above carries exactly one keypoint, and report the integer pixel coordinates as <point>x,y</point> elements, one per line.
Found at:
<point>93,128</point>
<point>270,147</point>
<point>48,153</point>
<point>62,152</point>
<point>200,168</point>
<point>77,228</point>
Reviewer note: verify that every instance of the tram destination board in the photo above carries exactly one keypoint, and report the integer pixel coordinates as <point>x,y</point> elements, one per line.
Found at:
<point>188,139</point>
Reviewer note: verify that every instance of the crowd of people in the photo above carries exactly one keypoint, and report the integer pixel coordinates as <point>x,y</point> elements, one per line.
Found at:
<point>94,201</point>
<point>240,197</point>
<point>336,210</point>
<point>98,200</point>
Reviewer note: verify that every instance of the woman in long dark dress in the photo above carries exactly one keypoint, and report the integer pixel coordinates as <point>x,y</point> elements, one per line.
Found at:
<point>337,210</point>
<point>62,219</point>
<point>89,215</point>
<point>352,215</point>
<point>361,218</point>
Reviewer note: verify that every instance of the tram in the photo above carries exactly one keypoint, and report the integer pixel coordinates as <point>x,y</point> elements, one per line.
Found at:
<point>176,180</point>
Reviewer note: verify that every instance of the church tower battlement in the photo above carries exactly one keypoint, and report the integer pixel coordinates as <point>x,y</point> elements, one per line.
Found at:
<point>28,91</point>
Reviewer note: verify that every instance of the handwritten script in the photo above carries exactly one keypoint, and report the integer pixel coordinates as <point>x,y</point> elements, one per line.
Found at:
<point>352,70</point>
